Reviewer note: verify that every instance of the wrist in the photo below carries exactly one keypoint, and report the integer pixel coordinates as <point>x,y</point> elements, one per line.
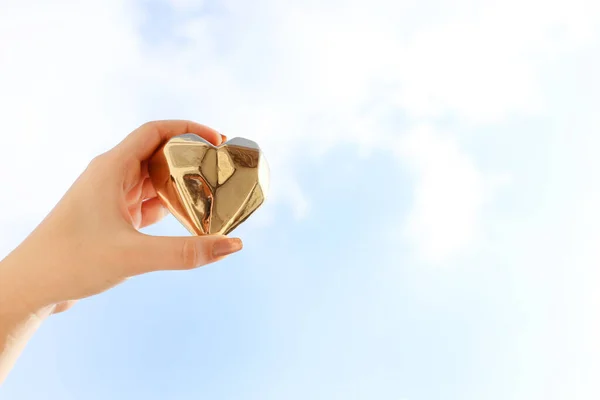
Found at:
<point>19,295</point>
<point>20,313</point>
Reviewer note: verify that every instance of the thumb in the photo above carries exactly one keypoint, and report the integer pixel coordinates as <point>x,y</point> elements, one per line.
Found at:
<point>156,253</point>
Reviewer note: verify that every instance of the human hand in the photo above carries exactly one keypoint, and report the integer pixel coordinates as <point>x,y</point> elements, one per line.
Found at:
<point>90,241</point>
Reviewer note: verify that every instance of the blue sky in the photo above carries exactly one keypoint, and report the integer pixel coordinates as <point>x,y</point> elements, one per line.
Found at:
<point>432,231</point>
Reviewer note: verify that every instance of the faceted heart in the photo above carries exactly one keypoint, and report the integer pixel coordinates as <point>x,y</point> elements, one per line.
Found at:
<point>210,189</point>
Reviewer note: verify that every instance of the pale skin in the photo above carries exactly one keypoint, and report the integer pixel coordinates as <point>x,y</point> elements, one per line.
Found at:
<point>90,242</point>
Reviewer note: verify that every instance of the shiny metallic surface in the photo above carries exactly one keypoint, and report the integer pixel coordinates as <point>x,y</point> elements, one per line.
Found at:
<point>209,189</point>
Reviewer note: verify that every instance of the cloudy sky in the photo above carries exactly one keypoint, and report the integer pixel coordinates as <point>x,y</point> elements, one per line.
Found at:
<point>433,228</point>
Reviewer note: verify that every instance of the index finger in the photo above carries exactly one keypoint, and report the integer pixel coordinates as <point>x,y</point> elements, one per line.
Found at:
<point>144,141</point>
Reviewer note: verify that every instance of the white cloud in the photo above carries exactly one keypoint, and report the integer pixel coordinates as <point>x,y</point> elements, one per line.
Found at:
<point>484,65</point>
<point>449,194</point>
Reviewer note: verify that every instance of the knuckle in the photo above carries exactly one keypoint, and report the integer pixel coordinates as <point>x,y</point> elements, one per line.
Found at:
<point>99,161</point>
<point>189,254</point>
<point>104,162</point>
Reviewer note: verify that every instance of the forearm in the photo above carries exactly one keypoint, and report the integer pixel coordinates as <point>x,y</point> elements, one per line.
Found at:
<point>20,316</point>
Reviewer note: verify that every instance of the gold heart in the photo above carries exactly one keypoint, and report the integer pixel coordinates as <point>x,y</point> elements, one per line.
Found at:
<point>209,189</point>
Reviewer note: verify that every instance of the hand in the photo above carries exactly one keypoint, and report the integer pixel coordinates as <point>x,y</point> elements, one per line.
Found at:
<point>90,241</point>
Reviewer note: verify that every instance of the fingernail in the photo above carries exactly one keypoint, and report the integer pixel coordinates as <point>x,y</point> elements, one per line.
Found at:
<point>227,246</point>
